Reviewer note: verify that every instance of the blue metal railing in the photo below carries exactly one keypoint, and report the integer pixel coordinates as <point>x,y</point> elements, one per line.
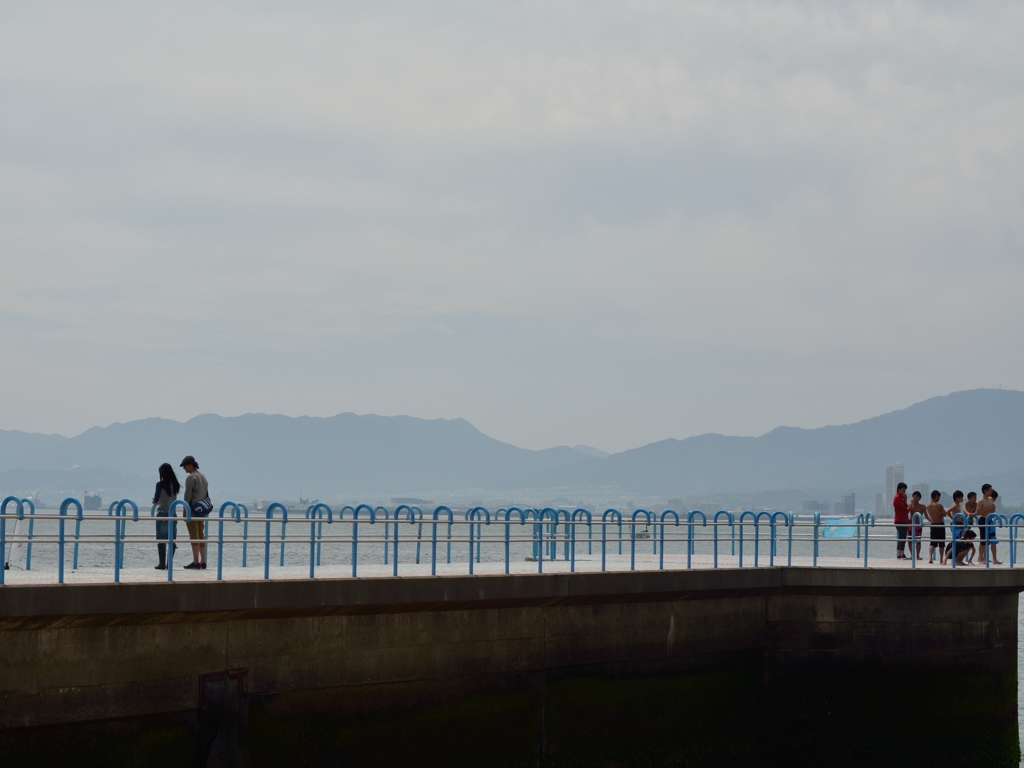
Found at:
<point>541,530</point>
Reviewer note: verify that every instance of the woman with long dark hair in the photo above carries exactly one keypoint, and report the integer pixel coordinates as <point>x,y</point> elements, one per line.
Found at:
<point>166,492</point>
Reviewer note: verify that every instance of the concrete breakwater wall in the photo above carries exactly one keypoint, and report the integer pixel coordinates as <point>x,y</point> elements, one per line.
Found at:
<point>763,666</point>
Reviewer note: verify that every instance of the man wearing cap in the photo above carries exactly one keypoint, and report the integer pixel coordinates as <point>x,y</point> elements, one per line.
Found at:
<point>197,494</point>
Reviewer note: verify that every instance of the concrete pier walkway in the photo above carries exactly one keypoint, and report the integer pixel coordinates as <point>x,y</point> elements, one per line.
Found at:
<point>521,667</point>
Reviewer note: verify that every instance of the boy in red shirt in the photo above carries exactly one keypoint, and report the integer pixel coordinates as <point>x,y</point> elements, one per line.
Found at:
<point>901,519</point>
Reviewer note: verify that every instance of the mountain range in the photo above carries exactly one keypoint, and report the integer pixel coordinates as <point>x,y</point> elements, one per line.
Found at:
<point>949,439</point>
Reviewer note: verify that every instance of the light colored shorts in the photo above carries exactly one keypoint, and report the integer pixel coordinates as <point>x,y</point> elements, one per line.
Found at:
<point>196,529</point>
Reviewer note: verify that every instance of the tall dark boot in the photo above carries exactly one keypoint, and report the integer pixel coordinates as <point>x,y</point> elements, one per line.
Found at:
<point>162,549</point>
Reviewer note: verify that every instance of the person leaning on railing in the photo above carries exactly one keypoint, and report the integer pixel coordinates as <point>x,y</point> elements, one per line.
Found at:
<point>197,496</point>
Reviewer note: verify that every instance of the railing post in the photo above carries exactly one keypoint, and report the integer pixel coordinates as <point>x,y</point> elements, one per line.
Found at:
<point>117,544</point>
<point>120,521</point>
<point>220,535</point>
<point>266,534</point>
<point>172,531</point>
<point>355,533</point>
<point>604,534</point>
<point>78,531</point>
<point>433,536</point>
<point>572,549</point>
<point>632,534</point>
<point>785,520</point>
<point>729,519</point>
<point>661,550</point>
<point>245,535</point>
<point>789,548</point>
<point>869,522</point>
<point>817,522</point>
<point>419,531</point>
<point>3,530</point>
<point>743,517</point>
<point>31,523</point>
<point>689,534</point>
<point>1014,525</point>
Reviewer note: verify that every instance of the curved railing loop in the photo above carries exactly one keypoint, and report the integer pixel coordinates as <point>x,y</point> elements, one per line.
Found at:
<point>31,531</point>
<point>661,549</point>
<point>689,533</point>
<point>742,517</point>
<point>473,515</point>
<point>566,534</point>
<point>757,533</point>
<point>20,507</point>
<point>869,523</point>
<point>315,516</point>
<point>991,539</point>
<point>269,515</point>
<point>172,531</point>
<point>648,516</point>
<point>419,530</point>
<point>378,510</point>
<point>817,525</point>
<point>579,511</point>
<point>433,534</point>
<point>1014,529</point>
<point>120,515</point>
<point>547,513</point>
<point>412,520</point>
<point>730,520</point>
<point>68,502</point>
<point>508,522</point>
<point>236,515</point>
<point>774,523</point>
<point>604,536</point>
<point>355,532</point>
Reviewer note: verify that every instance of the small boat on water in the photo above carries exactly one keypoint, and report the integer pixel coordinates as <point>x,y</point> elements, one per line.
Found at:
<point>92,501</point>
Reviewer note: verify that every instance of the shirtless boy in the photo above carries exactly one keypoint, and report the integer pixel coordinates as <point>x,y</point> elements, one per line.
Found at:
<point>971,509</point>
<point>934,512</point>
<point>987,506</point>
<point>917,530</point>
<point>958,530</point>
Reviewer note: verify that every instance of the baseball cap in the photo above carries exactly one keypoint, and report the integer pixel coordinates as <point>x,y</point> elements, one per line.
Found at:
<point>189,460</point>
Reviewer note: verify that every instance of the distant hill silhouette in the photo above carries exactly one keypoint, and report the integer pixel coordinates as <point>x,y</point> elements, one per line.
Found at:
<point>966,434</point>
<point>962,436</point>
<point>257,454</point>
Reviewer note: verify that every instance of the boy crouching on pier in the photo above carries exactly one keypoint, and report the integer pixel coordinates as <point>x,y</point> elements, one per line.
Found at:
<point>934,512</point>
<point>963,536</point>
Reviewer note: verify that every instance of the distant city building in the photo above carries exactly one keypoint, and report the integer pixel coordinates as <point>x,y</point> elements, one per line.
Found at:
<point>849,504</point>
<point>893,477</point>
<point>423,504</point>
<point>676,503</point>
<point>924,488</point>
<point>846,506</point>
<point>816,506</point>
<point>880,505</point>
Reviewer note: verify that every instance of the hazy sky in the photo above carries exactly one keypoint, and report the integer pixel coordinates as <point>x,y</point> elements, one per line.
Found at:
<point>606,223</point>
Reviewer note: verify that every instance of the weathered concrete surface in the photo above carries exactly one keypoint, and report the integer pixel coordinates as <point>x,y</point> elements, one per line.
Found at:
<point>539,648</point>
